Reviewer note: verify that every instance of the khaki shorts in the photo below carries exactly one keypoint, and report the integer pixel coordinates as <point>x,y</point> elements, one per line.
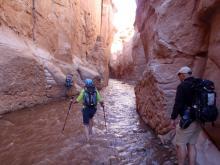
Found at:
<point>188,135</point>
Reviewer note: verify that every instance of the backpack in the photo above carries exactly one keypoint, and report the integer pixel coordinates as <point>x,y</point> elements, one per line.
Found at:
<point>205,101</point>
<point>69,80</point>
<point>90,97</point>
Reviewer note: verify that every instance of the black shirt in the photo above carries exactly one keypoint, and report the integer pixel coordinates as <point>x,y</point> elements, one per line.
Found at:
<point>184,97</point>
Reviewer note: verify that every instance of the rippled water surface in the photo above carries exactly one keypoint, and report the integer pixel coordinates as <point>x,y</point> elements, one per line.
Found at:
<point>33,136</point>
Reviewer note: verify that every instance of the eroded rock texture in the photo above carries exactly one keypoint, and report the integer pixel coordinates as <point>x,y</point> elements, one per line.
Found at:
<point>42,41</point>
<point>175,33</point>
<point>129,63</point>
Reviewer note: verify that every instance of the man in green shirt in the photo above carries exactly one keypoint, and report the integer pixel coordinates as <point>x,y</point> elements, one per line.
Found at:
<point>89,97</point>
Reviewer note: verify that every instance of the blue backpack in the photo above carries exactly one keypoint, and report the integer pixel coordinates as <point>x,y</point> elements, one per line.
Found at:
<point>69,80</point>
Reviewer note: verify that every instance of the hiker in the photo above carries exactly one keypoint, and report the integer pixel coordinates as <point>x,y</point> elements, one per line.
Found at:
<point>69,84</point>
<point>89,96</point>
<point>188,129</point>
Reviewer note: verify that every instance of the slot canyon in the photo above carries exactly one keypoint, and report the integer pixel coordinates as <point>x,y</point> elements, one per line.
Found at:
<point>131,49</point>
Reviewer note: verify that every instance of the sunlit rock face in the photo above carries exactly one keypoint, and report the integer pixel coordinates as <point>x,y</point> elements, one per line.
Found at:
<point>121,62</point>
<point>129,63</point>
<point>127,59</point>
<point>175,33</point>
<point>59,37</point>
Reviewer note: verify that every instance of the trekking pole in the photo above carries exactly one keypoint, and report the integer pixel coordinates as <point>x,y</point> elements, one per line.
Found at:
<point>67,114</point>
<point>104,118</point>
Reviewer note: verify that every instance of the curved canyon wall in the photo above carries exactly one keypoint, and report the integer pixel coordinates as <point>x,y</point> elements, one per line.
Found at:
<point>175,33</point>
<point>129,63</point>
<point>42,41</point>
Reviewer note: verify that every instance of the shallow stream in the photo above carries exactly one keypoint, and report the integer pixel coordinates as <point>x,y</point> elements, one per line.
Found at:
<point>33,136</point>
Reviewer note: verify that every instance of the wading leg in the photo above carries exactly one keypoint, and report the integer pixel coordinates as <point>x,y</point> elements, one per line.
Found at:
<point>87,132</point>
<point>192,154</point>
<point>181,154</point>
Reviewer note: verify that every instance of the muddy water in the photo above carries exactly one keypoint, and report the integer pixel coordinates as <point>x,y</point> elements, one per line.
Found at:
<point>33,136</point>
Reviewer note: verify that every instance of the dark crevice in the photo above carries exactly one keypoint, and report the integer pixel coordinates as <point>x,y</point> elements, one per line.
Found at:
<point>33,19</point>
<point>101,17</point>
<point>206,14</point>
<point>202,54</point>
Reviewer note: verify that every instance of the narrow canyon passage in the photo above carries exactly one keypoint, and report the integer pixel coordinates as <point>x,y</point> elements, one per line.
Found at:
<point>44,42</point>
<point>33,136</point>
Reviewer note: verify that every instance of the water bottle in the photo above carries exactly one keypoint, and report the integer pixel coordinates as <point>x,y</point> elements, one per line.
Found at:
<point>186,115</point>
<point>211,99</point>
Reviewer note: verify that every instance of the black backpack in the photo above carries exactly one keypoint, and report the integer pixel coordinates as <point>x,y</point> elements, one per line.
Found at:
<point>90,97</point>
<point>205,101</point>
<point>69,80</point>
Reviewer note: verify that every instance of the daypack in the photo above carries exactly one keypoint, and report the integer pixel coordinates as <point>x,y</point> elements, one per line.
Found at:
<point>205,101</point>
<point>90,97</point>
<point>69,80</point>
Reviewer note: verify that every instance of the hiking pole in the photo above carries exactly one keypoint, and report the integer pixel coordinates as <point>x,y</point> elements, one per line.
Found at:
<point>104,117</point>
<point>67,114</point>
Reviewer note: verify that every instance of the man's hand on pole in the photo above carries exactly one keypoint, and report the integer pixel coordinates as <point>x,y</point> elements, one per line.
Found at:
<point>72,100</point>
<point>102,104</point>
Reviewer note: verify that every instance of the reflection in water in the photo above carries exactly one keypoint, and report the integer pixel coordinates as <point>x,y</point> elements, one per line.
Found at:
<point>33,135</point>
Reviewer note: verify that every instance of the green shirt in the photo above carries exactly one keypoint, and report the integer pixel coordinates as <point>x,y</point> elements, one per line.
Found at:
<point>80,97</point>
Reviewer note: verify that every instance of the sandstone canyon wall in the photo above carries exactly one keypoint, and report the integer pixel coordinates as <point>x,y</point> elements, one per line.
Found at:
<point>42,41</point>
<point>127,59</point>
<point>129,63</point>
<point>175,33</point>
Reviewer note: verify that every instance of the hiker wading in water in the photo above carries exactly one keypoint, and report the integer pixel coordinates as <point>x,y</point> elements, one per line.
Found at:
<point>90,97</point>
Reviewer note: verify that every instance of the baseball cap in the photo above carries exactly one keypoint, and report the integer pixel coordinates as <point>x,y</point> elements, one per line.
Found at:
<point>185,70</point>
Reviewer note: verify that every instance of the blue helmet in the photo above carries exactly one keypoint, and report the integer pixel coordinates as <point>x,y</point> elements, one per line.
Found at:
<point>88,82</point>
